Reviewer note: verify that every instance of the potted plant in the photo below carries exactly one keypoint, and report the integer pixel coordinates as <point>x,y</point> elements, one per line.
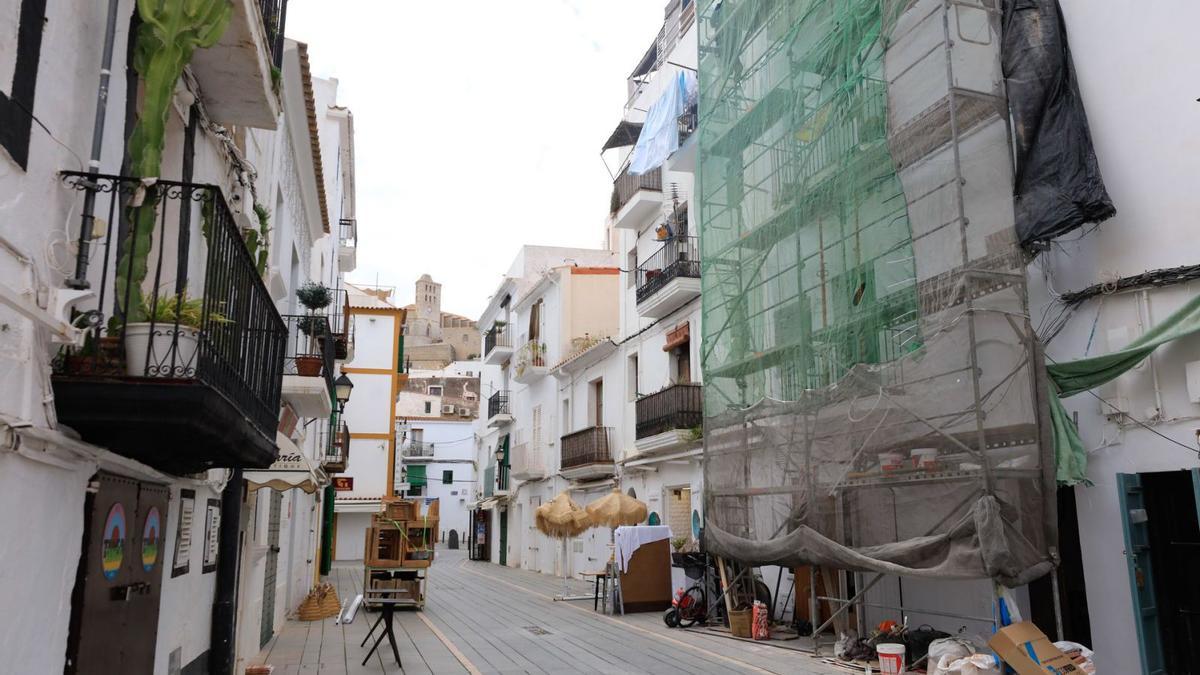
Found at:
<point>314,295</point>
<point>165,342</point>
<point>309,364</point>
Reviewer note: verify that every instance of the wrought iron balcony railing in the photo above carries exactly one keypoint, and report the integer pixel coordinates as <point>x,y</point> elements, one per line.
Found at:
<point>336,446</point>
<point>274,15</point>
<point>417,449</point>
<point>586,446</point>
<point>626,186</point>
<point>687,123</point>
<point>498,404</point>
<point>341,325</point>
<point>498,336</point>
<point>310,348</point>
<point>679,257</point>
<point>680,406</point>
<point>178,301</point>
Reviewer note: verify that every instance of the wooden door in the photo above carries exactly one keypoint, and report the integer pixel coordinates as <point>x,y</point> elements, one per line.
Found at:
<point>114,622</point>
<point>599,403</point>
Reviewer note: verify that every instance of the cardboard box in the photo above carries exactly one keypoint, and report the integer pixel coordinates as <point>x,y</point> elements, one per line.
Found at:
<point>1028,651</point>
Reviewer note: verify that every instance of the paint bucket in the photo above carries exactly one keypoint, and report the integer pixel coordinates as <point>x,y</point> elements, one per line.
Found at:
<point>891,658</point>
<point>890,462</point>
<point>925,459</point>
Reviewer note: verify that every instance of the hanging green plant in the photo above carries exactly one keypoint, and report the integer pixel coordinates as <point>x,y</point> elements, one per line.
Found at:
<point>170,32</point>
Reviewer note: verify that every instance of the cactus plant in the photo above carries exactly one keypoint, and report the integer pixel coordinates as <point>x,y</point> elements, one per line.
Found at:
<point>170,32</point>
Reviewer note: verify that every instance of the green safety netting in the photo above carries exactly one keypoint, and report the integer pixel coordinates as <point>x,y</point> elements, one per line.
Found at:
<point>1074,377</point>
<point>870,398</point>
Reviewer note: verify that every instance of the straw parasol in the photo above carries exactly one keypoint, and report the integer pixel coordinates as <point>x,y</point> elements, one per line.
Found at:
<point>561,518</point>
<point>616,509</point>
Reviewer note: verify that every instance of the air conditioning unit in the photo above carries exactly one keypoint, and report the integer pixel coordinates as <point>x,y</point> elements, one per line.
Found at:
<point>448,409</point>
<point>464,412</point>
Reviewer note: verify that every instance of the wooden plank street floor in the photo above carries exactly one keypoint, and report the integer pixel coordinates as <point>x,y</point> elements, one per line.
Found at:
<point>483,618</point>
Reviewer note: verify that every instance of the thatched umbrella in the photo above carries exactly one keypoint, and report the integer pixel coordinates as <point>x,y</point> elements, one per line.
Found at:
<point>616,509</point>
<point>561,518</point>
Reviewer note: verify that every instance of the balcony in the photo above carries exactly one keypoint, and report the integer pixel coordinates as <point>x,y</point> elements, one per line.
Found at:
<point>347,244</point>
<point>526,462</point>
<point>499,413</point>
<point>585,454</point>
<point>669,419</point>
<point>308,365</point>
<point>684,158</point>
<point>342,326</point>
<point>240,75</point>
<point>530,362</point>
<point>184,370</point>
<point>417,451</point>
<point>497,345</point>
<point>670,278</point>
<point>636,198</point>
<point>336,444</point>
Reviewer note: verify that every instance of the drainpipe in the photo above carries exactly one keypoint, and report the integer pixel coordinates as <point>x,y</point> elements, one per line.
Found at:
<point>224,617</point>
<point>79,281</point>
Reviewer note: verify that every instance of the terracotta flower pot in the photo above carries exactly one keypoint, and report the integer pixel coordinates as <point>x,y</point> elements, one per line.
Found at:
<point>308,365</point>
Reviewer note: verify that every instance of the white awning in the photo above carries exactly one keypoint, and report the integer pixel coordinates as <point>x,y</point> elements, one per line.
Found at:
<point>491,502</point>
<point>292,470</point>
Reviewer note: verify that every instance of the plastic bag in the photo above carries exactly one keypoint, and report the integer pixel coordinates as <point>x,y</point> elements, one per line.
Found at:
<point>1071,648</point>
<point>947,651</point>
<point>975,664</point>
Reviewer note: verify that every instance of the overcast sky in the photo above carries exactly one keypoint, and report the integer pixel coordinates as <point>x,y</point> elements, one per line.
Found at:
<point>478,127</point>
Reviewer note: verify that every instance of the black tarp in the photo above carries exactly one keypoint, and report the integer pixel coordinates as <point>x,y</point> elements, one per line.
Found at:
<point>1058,186</point>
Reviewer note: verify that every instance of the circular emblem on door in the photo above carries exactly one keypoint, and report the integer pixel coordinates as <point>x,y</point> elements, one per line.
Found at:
<point>112,544</point>
<point>151,532</point>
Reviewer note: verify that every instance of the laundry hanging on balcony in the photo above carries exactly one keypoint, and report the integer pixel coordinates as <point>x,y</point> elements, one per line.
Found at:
<point>660,132</point>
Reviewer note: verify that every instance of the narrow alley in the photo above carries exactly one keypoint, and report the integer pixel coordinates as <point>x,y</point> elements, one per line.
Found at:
<point>482,618</point>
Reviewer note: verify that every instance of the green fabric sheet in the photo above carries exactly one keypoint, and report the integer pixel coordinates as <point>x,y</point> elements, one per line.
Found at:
<point>416,475</point>
<point>1074,377</point>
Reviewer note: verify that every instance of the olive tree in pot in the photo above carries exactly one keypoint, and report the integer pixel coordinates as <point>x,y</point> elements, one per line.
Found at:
<point>315,297</point>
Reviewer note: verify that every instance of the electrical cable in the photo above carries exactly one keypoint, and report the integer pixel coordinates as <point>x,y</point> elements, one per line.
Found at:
<point>1142,424</point>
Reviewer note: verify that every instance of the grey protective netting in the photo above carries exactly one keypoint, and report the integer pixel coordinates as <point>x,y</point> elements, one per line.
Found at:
<point>864,294</point>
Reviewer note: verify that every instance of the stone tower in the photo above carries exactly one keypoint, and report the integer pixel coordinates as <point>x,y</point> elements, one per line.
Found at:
<point>426,326</point>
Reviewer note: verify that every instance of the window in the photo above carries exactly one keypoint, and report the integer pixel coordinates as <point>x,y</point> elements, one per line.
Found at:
<point>537,427</point>
<point>596,393</point>
<point>448,477</point>
<point>428,407</point>
<point>435,390</point>
<point>466,338</point>
<point>566,417</point>
<point>632,377</point>
<point>631,265</point>
<point>535,319</point>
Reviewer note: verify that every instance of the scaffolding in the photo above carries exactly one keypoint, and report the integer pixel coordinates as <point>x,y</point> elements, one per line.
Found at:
<point>872,402</point>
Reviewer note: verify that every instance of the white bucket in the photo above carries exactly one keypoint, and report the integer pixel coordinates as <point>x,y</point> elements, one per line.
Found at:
<point>925,459</point>
<point>891,658</point>
<point>890,461</point>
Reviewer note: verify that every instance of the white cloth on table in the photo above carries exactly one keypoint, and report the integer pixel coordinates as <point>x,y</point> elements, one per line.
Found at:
<point>630,538</point>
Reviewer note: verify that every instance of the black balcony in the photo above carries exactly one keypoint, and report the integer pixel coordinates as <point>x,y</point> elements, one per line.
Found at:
<point>340,325</point>
<point>680,406</point>
<point>587,446</point>
<point>182,371</point>
<point>498,336</point>
<point>498,404</point>
<point>678,257</point>
<point>310,348</point>
<point>687,123</point>
<point>335,443</point>
<point>274,15</point>
<point>626,186</point>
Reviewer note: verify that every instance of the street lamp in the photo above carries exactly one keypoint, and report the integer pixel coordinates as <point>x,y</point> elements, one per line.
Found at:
<point>341,388</point>
<point>499,454</point>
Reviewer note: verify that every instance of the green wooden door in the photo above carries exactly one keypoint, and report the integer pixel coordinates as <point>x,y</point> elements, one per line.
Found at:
<point>1135,524</point>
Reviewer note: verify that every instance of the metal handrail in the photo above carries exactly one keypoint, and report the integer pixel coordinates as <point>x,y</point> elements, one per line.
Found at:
<point>679,406</point>
<point>310,342</point>
<point>678,257</point>
<point>203,311</point>
<point>586,446</point>
<point>497,336</point>
<point>626,186</point>
<point>498,404</point>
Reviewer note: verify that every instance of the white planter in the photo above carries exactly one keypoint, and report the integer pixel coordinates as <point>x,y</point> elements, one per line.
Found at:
<point>138,336</point>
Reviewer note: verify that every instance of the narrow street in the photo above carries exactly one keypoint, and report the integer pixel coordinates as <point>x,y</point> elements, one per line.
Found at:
<point>483,618</point>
